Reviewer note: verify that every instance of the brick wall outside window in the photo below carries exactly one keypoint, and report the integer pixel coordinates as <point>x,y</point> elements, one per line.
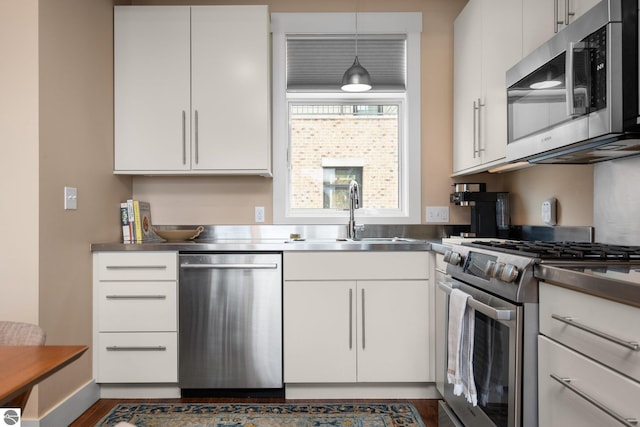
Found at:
<point>374,139</point>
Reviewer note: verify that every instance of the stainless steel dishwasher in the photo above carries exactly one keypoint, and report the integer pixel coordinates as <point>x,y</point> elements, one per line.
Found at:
<point>230,313</point>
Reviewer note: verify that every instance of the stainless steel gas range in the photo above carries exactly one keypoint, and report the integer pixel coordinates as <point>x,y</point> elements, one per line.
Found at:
<point>501,278</point>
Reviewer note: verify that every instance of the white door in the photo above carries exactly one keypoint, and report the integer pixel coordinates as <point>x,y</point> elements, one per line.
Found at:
<point>393,331</point>
<point>499,53</point>
<point>152,80</point>
<point>467,83</point>
<point>230,88</point>
<point>319,331</point>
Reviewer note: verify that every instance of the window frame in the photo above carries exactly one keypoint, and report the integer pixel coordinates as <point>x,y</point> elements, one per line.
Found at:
<point>409,23</point>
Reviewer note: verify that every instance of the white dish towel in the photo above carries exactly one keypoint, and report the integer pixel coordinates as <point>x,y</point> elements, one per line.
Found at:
<point>460,346</point>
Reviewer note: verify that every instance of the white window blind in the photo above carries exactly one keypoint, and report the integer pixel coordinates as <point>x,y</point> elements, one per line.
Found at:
<point>317,63</point>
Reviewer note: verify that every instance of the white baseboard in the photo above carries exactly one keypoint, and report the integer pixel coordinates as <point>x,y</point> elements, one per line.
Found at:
<point>137,391</point>
<point>362,391</point>
<point>69,409</point>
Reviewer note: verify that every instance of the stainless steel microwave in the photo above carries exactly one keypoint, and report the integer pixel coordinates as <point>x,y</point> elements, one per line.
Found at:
<point>575,98</point>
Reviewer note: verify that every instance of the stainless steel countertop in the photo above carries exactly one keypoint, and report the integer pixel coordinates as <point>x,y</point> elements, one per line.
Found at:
<point>620,284</point>
<point>266,245</point>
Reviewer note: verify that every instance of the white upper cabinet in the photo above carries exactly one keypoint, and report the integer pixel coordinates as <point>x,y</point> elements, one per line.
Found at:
<point>541,19</point>
<point>487,42</point>
<point>192,90</point>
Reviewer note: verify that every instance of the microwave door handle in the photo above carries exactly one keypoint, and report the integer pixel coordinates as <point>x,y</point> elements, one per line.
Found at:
<point>572,110</point>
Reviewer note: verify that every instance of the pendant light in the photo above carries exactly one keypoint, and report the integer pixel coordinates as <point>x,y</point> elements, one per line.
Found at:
<point>356,78</point>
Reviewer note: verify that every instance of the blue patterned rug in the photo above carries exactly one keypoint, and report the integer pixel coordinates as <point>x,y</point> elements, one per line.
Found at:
<point>264,415</point>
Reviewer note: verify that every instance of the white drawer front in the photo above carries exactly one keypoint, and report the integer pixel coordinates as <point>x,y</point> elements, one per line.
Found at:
<point>137,266</point>
<point>137,307</point>
<point>615,319</point>
<point>340,265</point>
<point>138,357</point>
<point>559,406</point>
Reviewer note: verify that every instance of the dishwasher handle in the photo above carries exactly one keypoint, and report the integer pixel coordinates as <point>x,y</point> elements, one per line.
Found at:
<point>230,266</point>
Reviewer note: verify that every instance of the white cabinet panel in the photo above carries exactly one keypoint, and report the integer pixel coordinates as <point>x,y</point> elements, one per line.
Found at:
<point>393,331</point>
<point>137,358</point>
<point>560,407</point>
<point>152,83</point>
<point>114,266</point>
<point>482,55</point>
<point>135,312</point>
<point>319,331</point>
<point>608,317</point>
<point>340,326</point>
<point>231,84</point>
<point>192,90</point>
<point>542,19</point>
<point>132,306</point>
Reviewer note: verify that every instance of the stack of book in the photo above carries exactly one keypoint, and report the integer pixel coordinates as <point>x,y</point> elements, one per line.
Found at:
<point>135,217</point>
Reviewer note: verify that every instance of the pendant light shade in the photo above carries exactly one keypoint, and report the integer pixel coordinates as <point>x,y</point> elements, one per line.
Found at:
<point>356,78</point>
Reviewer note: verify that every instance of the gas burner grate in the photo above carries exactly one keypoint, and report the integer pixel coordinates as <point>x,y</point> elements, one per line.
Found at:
<point>564,250</point>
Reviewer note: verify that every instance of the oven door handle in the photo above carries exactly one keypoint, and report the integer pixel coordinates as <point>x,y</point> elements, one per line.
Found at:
<point>491,312</point>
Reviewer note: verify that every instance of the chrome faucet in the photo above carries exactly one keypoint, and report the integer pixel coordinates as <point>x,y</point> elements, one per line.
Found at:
<point>354,203</point>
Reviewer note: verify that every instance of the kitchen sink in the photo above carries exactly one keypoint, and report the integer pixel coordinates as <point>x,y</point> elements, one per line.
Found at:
<point>369,240</point>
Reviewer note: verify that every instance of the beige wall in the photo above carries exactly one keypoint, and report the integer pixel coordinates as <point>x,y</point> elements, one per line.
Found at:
<point>225,200</point>
<point>231,201</point>
<point>56,112</point>
<point>19,162</point>
<point>571,185</point>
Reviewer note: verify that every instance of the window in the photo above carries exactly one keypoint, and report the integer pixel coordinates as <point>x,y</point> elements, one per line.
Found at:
<point>335,187</point>
<point>324,138</point>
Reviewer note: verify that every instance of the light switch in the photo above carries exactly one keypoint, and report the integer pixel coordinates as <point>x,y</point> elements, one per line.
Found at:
<point>70,198</point>
<point>437,214</point>
<point>259,213</point>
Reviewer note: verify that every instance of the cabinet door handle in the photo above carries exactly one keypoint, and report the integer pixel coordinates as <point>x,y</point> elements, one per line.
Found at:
<point>136,297</point>
<point>137,348</point>
<point>136,267</point>
<point>566,382</point>
<point>556,22</point>
<point>196,138</point>
<point>350,318</point>
<point>571,322</point>
<point>476,112</point>
<point>184,137</point>
<point>567,12</point>
<point>363,318</point>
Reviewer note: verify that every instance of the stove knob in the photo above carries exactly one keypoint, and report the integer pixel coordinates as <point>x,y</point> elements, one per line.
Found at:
<point>496,269</point>
<point>489,268</point>
<point>509,273</point>
<point>452,257</point>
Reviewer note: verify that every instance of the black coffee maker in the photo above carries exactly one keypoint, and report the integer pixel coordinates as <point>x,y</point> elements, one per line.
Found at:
<point>489,210</point>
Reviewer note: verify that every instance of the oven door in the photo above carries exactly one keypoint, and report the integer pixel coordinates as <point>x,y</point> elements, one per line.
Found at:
<point>496,361</point>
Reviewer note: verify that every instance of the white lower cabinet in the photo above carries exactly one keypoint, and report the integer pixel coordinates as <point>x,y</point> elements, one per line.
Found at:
<point>588,371</point>
<point>605,393</point>
<point>137,357</point>
<point>356,317</point>
<point>135,317</point>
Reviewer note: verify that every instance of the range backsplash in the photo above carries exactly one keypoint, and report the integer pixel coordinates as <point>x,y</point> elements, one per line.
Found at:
<point>616,202</point>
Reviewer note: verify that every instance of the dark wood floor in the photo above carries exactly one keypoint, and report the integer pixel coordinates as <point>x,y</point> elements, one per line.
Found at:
<point>427,408</point>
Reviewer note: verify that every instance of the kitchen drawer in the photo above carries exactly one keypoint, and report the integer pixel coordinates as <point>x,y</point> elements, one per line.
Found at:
<point>340,265</point>
<point>559,406</point>
<point>137,307</point>
<point>136,266</point>
<point>138,357</point>
<point>609,317</point>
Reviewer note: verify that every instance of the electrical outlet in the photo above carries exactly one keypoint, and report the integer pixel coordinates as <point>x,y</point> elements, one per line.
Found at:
<point>259,213</point>
<point>70,198</point>
<point>437,214</point>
